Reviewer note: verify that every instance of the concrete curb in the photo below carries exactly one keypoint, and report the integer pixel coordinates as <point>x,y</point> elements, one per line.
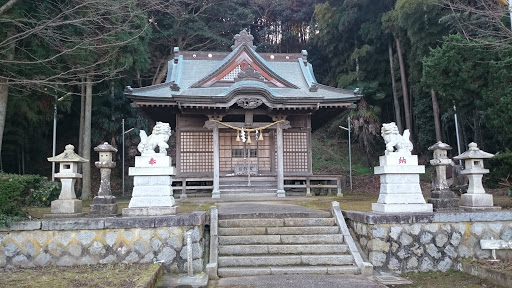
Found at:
<point>365,267</point>
<point>497,277</point>
<point>154,278</point>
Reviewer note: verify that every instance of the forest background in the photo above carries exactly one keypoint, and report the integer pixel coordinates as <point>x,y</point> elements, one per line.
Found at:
<point>415,61</point>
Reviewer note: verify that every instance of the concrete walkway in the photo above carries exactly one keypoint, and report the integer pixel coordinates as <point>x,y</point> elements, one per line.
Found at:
<point>296,281</point>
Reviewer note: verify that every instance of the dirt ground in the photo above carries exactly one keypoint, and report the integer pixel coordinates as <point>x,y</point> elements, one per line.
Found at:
<point>88,276</point>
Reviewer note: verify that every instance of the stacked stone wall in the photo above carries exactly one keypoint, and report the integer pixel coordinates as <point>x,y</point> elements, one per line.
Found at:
<point>66,242</point>
<point>428,242</point>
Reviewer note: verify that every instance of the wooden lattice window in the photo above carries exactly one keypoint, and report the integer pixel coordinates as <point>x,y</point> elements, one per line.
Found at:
<point>295,151</point>
<point>196,152</point>
<point>235,153</point>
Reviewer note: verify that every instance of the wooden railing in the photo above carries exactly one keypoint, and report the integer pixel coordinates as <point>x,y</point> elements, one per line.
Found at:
<point>311,184</point>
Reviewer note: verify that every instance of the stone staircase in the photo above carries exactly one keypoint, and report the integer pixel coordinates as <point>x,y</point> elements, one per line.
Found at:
<point>265,246</point>
<point>239,186</point>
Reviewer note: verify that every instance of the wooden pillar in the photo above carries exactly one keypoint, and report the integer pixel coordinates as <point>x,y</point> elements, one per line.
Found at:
<point>280,157</point>
<point>216,157</point>
<point>216,161</point>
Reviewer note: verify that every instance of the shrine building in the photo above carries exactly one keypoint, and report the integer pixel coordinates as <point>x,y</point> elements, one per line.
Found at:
<point>243,119</point>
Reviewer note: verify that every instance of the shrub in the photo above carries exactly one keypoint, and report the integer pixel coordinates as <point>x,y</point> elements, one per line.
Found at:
<point>18,191</point>
<point>45,194</point>
<point>501,169</point>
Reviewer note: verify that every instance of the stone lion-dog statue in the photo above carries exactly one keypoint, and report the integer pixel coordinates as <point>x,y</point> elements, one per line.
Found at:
<point>393,139</point>
<point>158,138</point>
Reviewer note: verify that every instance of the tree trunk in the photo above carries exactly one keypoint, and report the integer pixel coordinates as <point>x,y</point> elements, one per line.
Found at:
<point>4,94</point>
<point>162,72</point>
<point>86,174</point>
<point>396,102</point>
<point>435,110</point>
<point>405,92</point>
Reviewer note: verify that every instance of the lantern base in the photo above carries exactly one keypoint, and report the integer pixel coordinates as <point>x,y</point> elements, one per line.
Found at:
<point>444,200</point>
<point>150,211</point>
<point>103,206</point>
<point>73,206</point>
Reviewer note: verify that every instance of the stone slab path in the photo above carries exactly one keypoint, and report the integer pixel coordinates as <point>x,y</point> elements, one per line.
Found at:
<point>296,281</point>
<point>270,209</point>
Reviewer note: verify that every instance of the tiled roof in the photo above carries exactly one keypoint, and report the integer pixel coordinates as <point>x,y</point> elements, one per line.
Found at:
<point>193,75</point>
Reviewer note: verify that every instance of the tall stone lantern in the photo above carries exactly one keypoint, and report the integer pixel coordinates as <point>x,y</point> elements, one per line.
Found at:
<point>475,198</point>
<point>442,197</point>
<point>104,204</point>
<point>67,205</point>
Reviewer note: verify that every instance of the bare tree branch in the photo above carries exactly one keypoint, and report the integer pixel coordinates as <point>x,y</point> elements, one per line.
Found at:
<point>7,6</point>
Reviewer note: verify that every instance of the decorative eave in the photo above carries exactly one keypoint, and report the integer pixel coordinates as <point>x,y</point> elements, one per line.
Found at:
<point>256,93</point>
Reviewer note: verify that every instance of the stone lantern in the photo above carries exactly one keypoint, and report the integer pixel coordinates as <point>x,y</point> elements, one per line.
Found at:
<point>475,198</point>
<point>67,205</point>
<point>104,204</point>
<point>442,197</point>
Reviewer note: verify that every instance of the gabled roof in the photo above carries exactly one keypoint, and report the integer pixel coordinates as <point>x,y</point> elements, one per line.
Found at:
<point>217,79</point>
<point>244,62</point>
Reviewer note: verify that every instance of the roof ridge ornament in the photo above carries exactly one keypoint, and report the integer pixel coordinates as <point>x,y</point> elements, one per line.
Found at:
<point>249,73</point>
<point>243,37</point>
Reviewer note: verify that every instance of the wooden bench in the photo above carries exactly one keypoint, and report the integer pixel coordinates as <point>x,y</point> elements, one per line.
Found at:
<point>311,182</point>
<point>190,183</point>
<point>495,244</point>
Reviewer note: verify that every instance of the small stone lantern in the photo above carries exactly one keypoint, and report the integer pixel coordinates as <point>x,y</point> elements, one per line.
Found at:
<point>442,197</point>
<point>104,204</point>
<point>475,198</point>
<point>67,205</point>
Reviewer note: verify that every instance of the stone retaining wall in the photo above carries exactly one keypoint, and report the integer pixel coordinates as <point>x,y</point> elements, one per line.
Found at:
<point>65,242</point>
<point>427,241</point>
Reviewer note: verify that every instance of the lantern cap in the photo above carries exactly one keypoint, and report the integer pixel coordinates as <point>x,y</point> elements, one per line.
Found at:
<point>105,147</point>
<point>473,153</point>
<point>440,146</point>
<point>68,155</point>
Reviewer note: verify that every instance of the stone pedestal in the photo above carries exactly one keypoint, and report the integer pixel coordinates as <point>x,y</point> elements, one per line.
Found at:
<point>476,198</point>
<point>152,192</point>
<point>444,200</point>
<point>400,190</point>
<point>67,205</point>
<point>103,206</point>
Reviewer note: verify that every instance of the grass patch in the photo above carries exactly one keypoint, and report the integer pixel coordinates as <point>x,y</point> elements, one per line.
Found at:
<point>504,202</point>
<point>109,275</point>
<point>356,202</point>
<point>449,279</point>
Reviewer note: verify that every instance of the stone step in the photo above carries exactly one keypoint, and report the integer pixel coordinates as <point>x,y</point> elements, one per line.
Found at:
<point>294,260</point>
<point>250,190</point>
<point>280,270</point>
<point>244,178</point>
<point>246,184</point>
<point>283,249</point>
<point>281,239</point>
<point>289,222</point>
<point>278,230</point>
<point>242,195</point>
